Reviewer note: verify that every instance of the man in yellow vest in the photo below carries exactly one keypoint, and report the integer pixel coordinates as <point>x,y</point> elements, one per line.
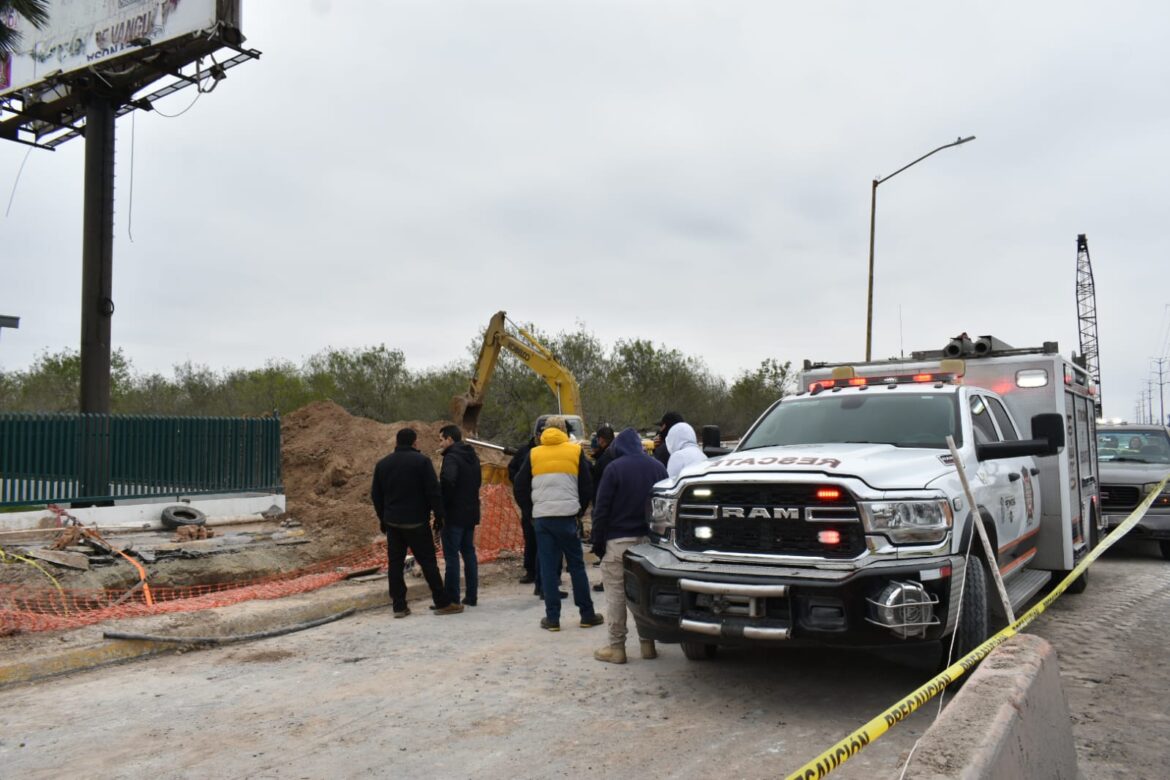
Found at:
<point>555,483</point>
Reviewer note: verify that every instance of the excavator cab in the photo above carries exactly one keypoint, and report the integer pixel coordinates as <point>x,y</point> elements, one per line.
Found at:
<point>574,423</point>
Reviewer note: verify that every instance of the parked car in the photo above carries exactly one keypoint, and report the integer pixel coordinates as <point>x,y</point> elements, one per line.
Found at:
<point>1133,459</point>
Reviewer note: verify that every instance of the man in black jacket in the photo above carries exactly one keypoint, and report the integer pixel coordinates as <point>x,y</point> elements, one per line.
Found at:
<point>459,480</point>
<point>526,528</point>
<point>405,492</point>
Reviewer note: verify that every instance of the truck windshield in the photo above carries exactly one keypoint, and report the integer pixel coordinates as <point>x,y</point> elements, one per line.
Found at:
<point>1134,446</point>
<point>902,420</point>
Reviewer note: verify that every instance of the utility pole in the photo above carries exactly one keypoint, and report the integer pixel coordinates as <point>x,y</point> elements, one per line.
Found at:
<point>1150,401</point>
<point>1161,397</point>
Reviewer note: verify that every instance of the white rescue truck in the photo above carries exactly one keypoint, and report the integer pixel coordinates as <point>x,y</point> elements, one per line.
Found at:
<point>840,517</point>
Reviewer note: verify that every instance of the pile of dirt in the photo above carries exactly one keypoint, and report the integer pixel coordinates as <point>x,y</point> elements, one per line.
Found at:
<point>328,457</point>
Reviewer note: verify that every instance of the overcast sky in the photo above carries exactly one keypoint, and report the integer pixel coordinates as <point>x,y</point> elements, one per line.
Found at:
<point>693,173</point>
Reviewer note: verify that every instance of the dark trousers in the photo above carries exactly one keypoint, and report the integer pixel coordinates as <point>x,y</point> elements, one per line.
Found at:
<point>459,542</point>
<point>420,542</point>
<point>558,536</point>
<point>529,545</point>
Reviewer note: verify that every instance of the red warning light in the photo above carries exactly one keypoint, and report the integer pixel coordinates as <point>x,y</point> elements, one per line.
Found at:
<point>858,381</point>
<point>828,493</point>
<point>829,536</point>
<point>823,384</point>
<point>924,377</point>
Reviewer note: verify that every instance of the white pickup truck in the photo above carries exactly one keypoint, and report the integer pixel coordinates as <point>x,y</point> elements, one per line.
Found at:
<point>840,518</point>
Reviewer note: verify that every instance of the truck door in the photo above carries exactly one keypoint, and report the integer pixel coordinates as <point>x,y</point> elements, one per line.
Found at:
<point>1016,517</point>
<point>1081,465</point>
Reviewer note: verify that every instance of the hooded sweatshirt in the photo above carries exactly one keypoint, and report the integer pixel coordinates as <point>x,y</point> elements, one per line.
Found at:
<point>554,480</point>
<point>459,480</point>
<point>683,447</point>
<point>620,510</point>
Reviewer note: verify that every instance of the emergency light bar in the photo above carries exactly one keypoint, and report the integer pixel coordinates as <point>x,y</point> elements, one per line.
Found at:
<point>847,376</point>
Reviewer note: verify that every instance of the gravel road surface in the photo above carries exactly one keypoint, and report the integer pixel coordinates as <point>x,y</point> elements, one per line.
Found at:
<point>487,694</point>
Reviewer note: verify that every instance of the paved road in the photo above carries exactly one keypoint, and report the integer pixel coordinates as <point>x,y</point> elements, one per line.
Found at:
<point>487,694</point>
<point>1115,662</point>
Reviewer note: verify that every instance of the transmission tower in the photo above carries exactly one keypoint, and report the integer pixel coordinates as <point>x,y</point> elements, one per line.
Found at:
<point>1087,315</point>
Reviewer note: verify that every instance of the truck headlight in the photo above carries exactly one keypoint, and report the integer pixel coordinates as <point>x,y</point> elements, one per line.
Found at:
<point>908,522</point>
<point>660,514</point>
<point>1163,499</point>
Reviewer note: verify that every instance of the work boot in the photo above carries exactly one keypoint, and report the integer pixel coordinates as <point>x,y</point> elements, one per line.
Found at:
<point>611,654</point>
<point>648,648</point>
<point>596,620</point>
<point>401,613</point>
<point>450,609</point>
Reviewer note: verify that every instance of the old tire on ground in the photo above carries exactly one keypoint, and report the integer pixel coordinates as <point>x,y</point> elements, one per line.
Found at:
<point>699,651</point>
<point>181,514</point>
<point>1165,545</point>
<point>971,630</point>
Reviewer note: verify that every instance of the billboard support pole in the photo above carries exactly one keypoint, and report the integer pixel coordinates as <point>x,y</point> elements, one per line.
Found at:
<point>97,254</point>
<point>97,305</point>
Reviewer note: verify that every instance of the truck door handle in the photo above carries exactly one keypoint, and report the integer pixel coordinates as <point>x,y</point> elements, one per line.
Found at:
<point>1013,477</point>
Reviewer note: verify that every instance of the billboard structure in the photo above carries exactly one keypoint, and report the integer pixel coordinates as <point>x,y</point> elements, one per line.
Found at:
<point>115,48</point>
<point>92,62</point>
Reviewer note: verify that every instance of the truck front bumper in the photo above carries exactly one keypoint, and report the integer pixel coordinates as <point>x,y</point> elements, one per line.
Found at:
<point>1154,525</point>
<point>676,600</point>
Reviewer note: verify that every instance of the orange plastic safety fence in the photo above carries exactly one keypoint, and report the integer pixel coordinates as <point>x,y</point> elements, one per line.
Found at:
<point>27,609</point>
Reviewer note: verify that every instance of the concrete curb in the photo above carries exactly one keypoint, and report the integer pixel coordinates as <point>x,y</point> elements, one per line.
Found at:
<point>1011,719</point>
<point>86,648</point>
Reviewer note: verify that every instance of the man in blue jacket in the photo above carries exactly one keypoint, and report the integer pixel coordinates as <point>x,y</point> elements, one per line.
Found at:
<point>459,483</point>
<point>619,522</point>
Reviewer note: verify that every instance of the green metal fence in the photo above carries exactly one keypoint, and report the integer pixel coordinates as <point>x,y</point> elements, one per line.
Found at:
<point>56,458</point>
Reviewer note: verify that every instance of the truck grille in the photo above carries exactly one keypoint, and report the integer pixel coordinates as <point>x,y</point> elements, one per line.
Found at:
<point>768,526</point>
<point>1120,496</point>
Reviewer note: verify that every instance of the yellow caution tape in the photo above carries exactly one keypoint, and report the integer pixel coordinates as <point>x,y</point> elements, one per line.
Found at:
<point>851,745</point>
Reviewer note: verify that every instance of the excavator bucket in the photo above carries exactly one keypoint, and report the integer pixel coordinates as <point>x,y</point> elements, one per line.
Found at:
<point>465,412</point>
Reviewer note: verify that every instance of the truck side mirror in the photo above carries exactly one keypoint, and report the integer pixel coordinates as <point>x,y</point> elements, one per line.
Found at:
<point>712,443</point>
<point>1049,426</point>
<point>1047,439</point>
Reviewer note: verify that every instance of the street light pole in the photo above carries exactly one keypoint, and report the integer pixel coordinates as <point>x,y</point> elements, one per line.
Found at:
<point>872,215</point>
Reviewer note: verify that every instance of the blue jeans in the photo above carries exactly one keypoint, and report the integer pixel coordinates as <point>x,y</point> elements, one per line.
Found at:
<point>556,536</point>
<point>459,541</point>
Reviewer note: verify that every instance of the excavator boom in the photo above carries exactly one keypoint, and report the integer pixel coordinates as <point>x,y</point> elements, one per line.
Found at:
<point>465,407</point>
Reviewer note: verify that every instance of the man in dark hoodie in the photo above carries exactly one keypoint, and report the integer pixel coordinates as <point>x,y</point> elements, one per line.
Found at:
<point>459,481</point>
<point>668,421</point>
<point>530,569</point>
<point>619,522</point>
<point>405,492</point>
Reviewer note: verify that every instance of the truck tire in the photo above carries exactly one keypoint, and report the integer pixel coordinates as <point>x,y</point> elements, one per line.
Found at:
<point>699,651</point>
<point>972,627</point>
<point>1080,583</point>
<point>181,514</point>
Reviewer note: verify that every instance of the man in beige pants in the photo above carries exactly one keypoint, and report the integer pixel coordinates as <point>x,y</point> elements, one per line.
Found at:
<point>619,522</point>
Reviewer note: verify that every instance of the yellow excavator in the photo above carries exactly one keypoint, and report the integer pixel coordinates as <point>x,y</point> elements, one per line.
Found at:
<point>465,407</point>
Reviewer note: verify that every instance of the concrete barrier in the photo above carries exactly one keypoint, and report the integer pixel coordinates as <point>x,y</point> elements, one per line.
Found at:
<point>1010,720</point>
